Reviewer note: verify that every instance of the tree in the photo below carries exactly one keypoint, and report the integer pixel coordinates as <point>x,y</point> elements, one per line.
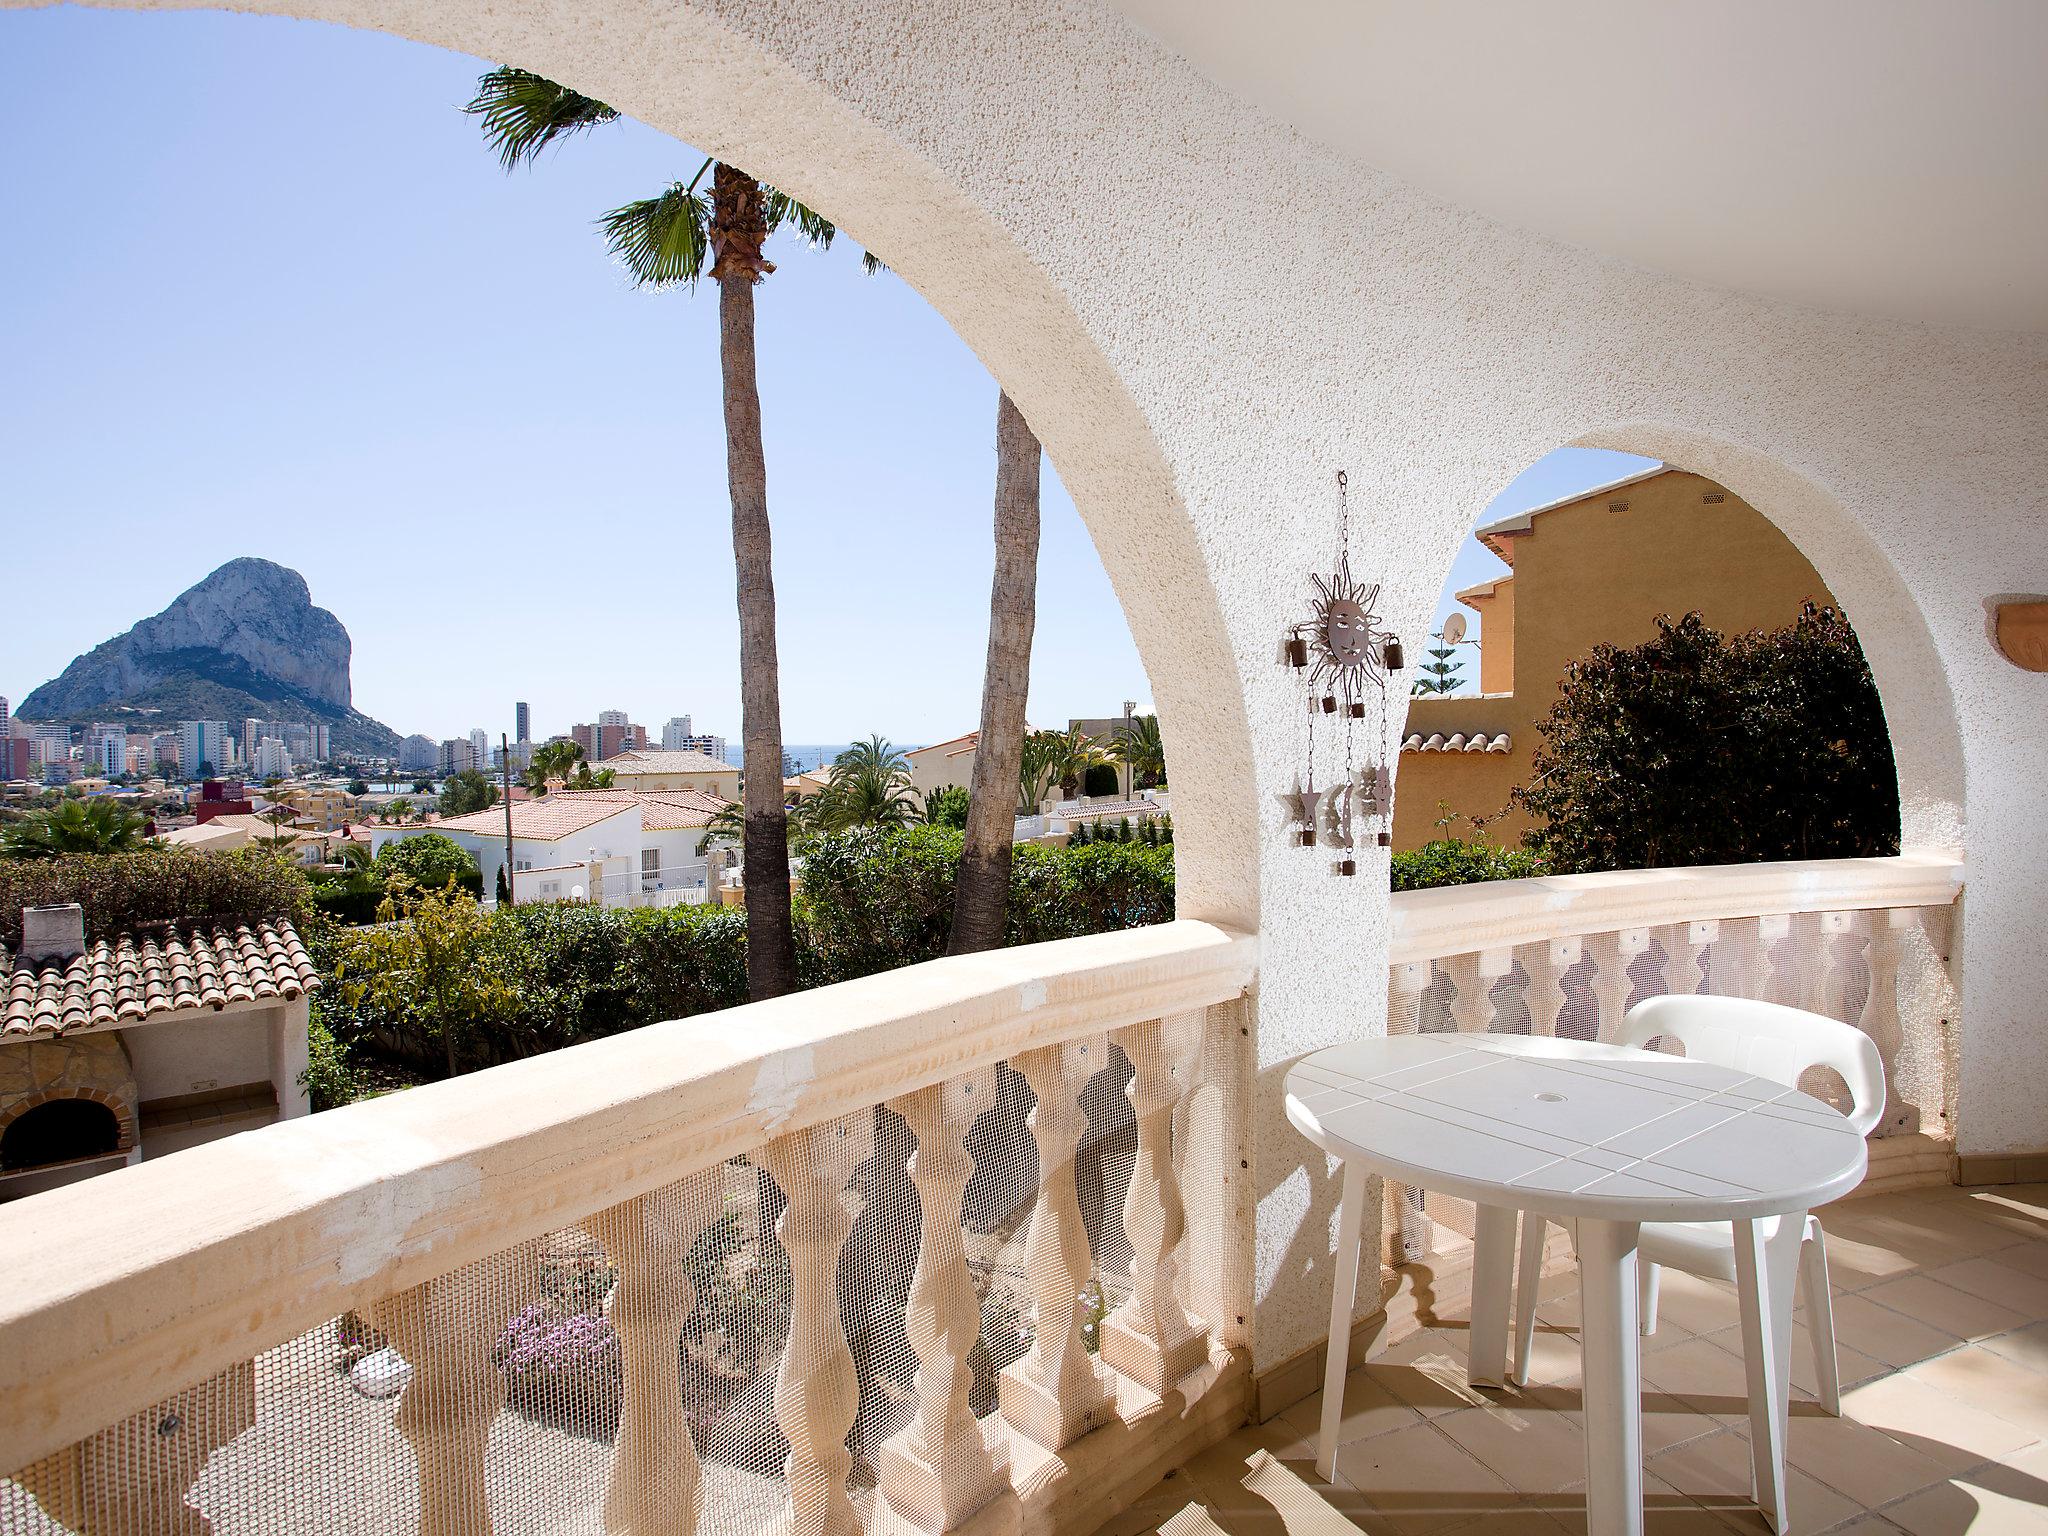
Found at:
<point>359,787</point>
<point>1695,748</point>
<point>429,860</point>
<point>72,826</point>
<point>869,786</point>
<point>423,786</point>
<point>673,239</point>
<point>1443,672</point>
<point>982,893</point>
<point>1140,748</point>
<point>551,760</point>
<point>396,810</point>
<point>1069,756</point>
<point>431,961</point>
<point>948,806</point>
<point>467,791</point>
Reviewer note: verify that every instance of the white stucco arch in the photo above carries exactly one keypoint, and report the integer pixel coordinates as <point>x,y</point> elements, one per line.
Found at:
<point>1204,315</point>
<point>1920,711</point>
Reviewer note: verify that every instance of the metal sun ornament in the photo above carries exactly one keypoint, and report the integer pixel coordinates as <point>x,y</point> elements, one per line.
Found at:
<point>1346,658</point>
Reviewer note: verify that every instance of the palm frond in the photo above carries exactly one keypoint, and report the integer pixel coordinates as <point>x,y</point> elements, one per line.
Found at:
<point>779,208</point>
<point>523,113</point>
<point>662,240</point>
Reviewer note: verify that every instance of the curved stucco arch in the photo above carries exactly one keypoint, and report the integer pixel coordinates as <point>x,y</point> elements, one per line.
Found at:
<point>678,66</point>
<point>1920,710</point>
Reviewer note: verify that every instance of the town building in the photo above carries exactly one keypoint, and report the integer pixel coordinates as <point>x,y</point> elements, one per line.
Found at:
<point>1598,567</point>
<point>652,769</point>
<point>221,797</point>
<point>615,847</point>
<point>943,765</point>
<point>202,746</point>
<point>679,736</point>
<point>457,755</point>
<point>137,1045</point>
<point>417,754</point>
<point>522,723</point>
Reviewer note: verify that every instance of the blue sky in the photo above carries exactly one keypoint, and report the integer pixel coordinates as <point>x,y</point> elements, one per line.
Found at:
<point>264,292</point>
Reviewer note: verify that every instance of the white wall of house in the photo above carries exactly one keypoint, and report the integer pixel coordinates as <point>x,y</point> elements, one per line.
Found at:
<point>1198,395</point>
<point>618,837</point>
<point>200,1052</point>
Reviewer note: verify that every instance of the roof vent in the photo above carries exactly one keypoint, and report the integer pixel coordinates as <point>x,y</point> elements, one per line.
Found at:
<point>53,933</point>
<point>1713,498</point>
<point>1617,506</point>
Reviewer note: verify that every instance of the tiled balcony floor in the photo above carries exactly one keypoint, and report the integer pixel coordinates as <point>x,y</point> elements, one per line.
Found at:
<point>1941,1311</point>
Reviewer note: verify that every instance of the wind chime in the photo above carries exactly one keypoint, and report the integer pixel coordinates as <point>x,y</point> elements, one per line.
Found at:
<point>1345,657</point>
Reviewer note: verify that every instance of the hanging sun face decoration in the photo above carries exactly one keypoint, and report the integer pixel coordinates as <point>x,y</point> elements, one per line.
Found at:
<point>1346,658</point>
<point>1346,647</point>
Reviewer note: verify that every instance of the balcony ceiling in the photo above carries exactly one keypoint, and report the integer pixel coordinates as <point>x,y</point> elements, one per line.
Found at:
<point>1885,156</point>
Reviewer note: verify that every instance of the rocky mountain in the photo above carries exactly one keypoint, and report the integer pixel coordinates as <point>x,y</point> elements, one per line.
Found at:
<point>245,641</point>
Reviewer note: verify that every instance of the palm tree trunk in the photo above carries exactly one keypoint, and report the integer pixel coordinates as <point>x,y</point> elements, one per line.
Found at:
<point>981,897</point>
<point>737,235</point>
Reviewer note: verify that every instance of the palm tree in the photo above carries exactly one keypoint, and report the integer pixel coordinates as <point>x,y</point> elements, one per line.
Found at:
<point>1139,748</point>
<point>672,239</point>
<point>869,787</point>
<point>981,895</point>
<point>551,760</point>
<point>76,826</point>
<point>1071,754</point>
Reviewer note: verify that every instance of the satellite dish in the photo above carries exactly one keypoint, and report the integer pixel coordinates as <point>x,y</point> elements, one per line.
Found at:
<point>1454,629</point>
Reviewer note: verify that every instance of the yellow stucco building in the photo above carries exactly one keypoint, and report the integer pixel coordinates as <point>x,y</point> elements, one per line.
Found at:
<point>1600,566</point>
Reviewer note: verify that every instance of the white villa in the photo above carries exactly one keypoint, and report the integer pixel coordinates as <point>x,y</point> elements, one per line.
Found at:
<point>646,769</point>
<point>615,847</point>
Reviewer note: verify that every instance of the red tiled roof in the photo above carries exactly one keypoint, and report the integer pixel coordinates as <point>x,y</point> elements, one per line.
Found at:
<point>131,978</point>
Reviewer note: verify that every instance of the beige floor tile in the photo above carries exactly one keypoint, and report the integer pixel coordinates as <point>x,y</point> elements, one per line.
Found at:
<point>1555,1358</point>
<point>1169,1496</point>
<point>1420,1480</point>
<point>1887,1335</point>
<point>1928,1301</point>
<point>1247,1494</point>
<point>1666,1511</point>
<point>1862,1463</point>
<point>1715,1471</point>
<point>1933,1422</point>
<point>1670,1421</point>
<point>1699,1373</point>
<point>1369,1409</point>
<point>1693,1304</point>
<point>1426,1371</point>
<point>1853,1366</point>
<point>1532,1450</point>
<point>1866,1525</point>
<point>1992,1384</point>
<point>1990,1501</point>
<point>1988,1277</point>
<point>2028,1345</point>
<point>2027,1258</point>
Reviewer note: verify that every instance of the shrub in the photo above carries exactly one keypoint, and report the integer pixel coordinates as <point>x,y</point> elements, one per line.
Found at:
<point>1446,861</point>
<point>430,861</point>
<point>330,1078</point>
<point>121,891</point>
<point>1696,748</point>
<point>946,807</point>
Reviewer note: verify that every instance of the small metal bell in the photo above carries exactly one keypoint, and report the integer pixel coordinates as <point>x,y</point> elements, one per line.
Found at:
<point>1385,839</point>
<point>1297,652</point>
<point>1329,704</point>
<point>1357,709</point>
<point>1347,867</point>
<point>1393,655</point>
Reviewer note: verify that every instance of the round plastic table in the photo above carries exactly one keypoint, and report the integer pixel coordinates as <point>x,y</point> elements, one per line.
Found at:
<point>1608,1138</point>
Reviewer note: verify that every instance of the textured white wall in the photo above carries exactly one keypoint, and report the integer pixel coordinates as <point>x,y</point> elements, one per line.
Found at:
<point>1204,316</point>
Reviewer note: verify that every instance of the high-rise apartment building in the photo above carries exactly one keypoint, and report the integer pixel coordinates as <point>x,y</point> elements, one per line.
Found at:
<point>458,755</point>
<point>111,753</point>
<point>611,717</point>
<point>416,753</point>
<point>6,719</point>
<point>675,733</point>
<point>202,746</point>
<point>480,747</point>
<point>522,721</point>
<point>271,759</point>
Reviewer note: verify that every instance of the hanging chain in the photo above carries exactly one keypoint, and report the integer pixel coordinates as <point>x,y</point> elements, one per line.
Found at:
<point>1343,513</point>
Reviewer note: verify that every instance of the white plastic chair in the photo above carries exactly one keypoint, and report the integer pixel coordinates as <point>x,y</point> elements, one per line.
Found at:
<point>1766,1040</point>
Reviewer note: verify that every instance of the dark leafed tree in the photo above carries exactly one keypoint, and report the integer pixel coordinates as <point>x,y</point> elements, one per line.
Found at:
<point>982,892</point>
<point>673,239</point>
<point>1699,748</point>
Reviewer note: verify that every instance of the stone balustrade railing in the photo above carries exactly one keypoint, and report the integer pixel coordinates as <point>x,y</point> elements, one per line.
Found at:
<point>863,1258</point>
<point>1863,940</point>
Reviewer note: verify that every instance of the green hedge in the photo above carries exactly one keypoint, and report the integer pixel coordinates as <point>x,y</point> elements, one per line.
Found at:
<point>122,891</point>
<point>1447,861</point>
<point>871,900</point>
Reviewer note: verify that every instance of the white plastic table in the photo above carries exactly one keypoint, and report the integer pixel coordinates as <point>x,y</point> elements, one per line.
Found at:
<point>1607,1137</point>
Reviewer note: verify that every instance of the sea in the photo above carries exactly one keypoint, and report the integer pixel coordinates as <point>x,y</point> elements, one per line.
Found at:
<point>808,755</point>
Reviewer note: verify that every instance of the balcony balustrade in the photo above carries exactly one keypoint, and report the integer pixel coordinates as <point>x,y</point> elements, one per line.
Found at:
<point>961,1247</point>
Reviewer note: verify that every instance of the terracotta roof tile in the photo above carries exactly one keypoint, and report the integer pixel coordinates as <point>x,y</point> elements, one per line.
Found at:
<point>130,978</point>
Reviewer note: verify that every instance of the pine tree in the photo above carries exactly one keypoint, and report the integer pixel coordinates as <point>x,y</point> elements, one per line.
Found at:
<point>1444,670</point>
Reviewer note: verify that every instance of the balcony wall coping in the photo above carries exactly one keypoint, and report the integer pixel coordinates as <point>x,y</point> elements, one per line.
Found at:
<point>1500,914</point>
<point>127,1288</point>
